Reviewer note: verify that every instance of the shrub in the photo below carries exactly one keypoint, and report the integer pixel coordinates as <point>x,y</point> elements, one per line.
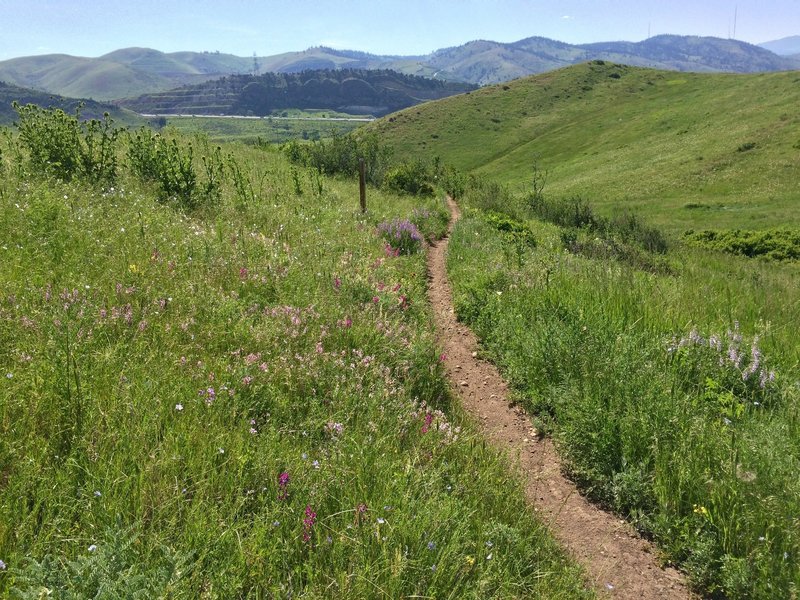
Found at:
<point>409,178</point>
<point>772,244</point>
<point>340,155</point>
<point>62,146</point>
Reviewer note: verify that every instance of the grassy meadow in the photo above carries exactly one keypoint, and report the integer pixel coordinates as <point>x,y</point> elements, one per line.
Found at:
<point>302,125</point>
<point>219,380</point>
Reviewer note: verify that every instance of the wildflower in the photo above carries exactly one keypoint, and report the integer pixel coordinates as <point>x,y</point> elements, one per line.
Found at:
<point>97,494</point>
<point>283,484</point>
<point>276,523</point>
<point>2,566</point>
<point>489,556</point>
<point>243,273</point>
<point>92,548</point>
<point>428,421</point>
<point>315,464</point>
<point>308,523</point>
<point>335,428</point>
<point>133,268</point>
<point>179,407</point>
<point>701,510</point>
<point>380,520</point>
<point>470,560</point>
<point>221,450</point>
<point>337,283</point>
<point>9,375</point>
<point>247,380</point>
<point>431,545</point>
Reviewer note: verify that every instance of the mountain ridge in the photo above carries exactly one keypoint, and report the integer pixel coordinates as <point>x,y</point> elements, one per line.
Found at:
<point>129,72</point>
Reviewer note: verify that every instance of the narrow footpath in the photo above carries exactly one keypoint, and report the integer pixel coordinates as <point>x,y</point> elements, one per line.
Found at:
<point>617,561</point>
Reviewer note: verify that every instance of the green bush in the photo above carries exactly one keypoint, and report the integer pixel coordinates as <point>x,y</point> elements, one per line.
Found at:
<point>62,146</point>
<point>772,244</point>
<point>409,178</point>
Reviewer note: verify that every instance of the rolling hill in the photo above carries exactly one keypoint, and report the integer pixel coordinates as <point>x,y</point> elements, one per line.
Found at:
<point>685,147</point>
<point>131,71</point>
<point>91,108</point>
<point>351,91</point>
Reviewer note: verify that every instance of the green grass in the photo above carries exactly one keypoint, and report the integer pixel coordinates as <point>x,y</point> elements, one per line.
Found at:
<point>268,130</point>
<point>245,400</point>
<point>661,143</point>
<point>633,374</point>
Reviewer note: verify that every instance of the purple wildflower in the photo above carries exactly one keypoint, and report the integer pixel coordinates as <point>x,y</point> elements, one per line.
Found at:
<point>308,523</point>
<point>283,484</point>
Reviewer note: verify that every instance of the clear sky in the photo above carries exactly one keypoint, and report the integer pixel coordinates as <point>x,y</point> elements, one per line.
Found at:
<point>94,27</point>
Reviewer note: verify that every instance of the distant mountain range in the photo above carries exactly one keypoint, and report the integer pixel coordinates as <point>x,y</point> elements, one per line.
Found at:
<point>134,71</point>
<point>353,91</point>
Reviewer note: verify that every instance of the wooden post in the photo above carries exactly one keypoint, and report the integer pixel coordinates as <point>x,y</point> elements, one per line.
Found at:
<point>362,184</point>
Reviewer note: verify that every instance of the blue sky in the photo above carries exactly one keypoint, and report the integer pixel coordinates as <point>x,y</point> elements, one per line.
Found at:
<point>92,27</point>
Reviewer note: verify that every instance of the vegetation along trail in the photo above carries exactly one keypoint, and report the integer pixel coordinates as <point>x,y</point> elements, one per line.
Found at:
<point>619,563</point>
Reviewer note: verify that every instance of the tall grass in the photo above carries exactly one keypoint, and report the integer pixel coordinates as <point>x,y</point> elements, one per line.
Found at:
<point>237,399</point>
<point>673,397</point>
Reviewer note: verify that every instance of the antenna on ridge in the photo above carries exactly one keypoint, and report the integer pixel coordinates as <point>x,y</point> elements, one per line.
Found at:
<point>735,15</point>
<point>256,66</point>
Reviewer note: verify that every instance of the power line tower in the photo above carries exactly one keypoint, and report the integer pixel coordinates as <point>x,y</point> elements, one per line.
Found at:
<point>256,66</point>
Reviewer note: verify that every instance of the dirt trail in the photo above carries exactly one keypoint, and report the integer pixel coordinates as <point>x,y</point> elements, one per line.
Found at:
<point>618,563</point>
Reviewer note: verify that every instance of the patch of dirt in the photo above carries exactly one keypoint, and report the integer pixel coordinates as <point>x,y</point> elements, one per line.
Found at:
<point>617,561</point>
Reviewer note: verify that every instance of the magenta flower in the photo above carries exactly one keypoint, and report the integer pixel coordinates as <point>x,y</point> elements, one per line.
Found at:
<point>308,523</point>
<point>283,484</point>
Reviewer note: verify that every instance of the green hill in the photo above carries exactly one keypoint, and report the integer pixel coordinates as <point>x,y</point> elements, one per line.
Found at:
<point>351,91</point>
<point>688,148</point>
<point>91,109</point>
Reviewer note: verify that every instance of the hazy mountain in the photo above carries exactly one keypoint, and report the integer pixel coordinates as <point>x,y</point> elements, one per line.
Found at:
<point>692,53</point>
<point>787,46</point>
<point>131,71</point>
<point>352,91</point>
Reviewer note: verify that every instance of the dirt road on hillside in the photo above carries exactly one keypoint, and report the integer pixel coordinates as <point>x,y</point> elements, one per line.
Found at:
<point>618,563</point>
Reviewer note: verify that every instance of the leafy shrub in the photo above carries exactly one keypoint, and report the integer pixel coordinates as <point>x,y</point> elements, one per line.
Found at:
<point>410,178</point>
<point>62,146</point>
<point>340,155</point>
<point>772,244</point>
<point>401,235</point>
<point>154,158</point>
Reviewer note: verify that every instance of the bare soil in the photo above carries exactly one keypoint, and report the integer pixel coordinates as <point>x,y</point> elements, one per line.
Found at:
<point>617,561</point>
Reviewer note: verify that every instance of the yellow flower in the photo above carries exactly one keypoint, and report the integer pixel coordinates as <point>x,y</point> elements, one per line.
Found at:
<point>701,510</point>
<point>470,560</point>
<point>133,268</point>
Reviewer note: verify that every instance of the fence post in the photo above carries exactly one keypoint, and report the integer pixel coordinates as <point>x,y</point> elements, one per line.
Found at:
<point>362,184</point>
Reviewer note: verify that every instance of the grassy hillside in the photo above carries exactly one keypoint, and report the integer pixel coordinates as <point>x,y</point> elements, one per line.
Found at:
<point>91,109</point>
<point>688,149</point>
<point>220,381</point>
